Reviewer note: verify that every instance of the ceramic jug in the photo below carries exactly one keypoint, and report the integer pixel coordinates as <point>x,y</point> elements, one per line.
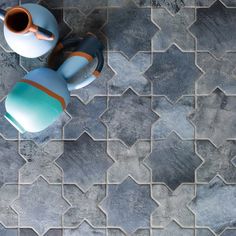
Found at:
<point>30,29</point>
<point>38,99</point>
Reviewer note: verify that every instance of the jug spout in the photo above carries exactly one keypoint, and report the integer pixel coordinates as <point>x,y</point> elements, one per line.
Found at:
<point>2,14</point>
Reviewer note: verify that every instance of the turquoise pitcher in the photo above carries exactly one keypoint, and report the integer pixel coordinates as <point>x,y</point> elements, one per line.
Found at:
<point>30,29</point>
<point>38,99</point>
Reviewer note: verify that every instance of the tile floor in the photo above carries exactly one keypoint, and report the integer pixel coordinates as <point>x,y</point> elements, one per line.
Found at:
<point>146,150</point>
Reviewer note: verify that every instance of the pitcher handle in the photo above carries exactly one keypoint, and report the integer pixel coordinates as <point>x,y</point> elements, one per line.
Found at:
<point>2,14</point>
<point>41,33</point>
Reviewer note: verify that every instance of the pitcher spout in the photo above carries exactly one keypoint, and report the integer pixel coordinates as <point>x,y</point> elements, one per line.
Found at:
<point>2,14</point>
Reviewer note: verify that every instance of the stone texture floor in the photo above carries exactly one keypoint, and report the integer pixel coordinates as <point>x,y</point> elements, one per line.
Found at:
<point>149,149</point>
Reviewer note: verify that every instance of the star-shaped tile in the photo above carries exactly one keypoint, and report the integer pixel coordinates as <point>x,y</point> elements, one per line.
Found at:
<point>211,115</point>
<point>173,229</point>
<point>8,193</point>
<point>53,132</point>
<point>129,161</point>
<point>40,206</point>
<point>10,161</point>
<point>84,206</point>
<point>173,161</point>
<point>40,161</point>
<point>172,6</point>
<point>214,205</point>
<point>129,29</point>
<point>86,117</point>
<point>84,162</point>
<point>218,73</point>
<point>129,73</point>
<point>85,229</point>
<point>173,73</point>
<point>10,72</point>
<point>129,117</point>
<point>173,29</point>
<point>217,161</point>
<point>173,205</point>
<point>215,29</point>
<point>129,206</point>
<point>173,117</point>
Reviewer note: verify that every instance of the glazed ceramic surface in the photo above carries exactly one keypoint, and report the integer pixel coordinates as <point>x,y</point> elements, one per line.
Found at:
<point>27,44</point>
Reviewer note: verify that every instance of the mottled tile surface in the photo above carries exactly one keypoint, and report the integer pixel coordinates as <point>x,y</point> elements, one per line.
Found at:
<point>148,148</point>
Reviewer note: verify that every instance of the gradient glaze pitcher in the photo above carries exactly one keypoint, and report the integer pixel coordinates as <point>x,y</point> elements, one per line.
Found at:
<point>30,29</point>
<point>37,100</point>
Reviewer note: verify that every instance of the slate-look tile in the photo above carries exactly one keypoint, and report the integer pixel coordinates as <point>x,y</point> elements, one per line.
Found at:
<point>129,29</point>
<point>172,6</point>
<point>84,162</point>
<point>8,217</point>
<point>204,232</point>
<point>173,73</point>
<point>214,29</point>
<point>86,117</point>
<point>27,232</point>
<point>6,129</point>
<point>216,161</point>
<point>40,206</point>
<point>217,73</point>
<point>129,206</point>
<point>214,205</point>
<point>211,115</point>
<point>173,117</point>
<point>129,161</point>
<point>54,232</point>
<point>118,232</point>
<point>84,229</point>
<point>10,161</point>
<point>40,161</point>
<point>173,229</point>
<point>173,161</point>
<point>7,232</point>
<point>173,206</point>
<point>173,29</point>
<point>53,132</point>
<point>84,206</point>
<point>129,74</point>
<point>229,232</point>
<point>129,117</point>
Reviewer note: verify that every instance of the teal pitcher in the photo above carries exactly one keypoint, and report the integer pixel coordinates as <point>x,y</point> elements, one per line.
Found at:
<point>38,99</point>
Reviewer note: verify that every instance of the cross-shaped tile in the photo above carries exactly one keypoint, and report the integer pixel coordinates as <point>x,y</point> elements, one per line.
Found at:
<point>173,29</point>
<point>173,117</point>
<point>129,161</point>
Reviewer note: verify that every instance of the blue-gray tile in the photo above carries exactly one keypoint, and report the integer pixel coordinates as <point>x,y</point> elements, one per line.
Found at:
<point>40,206</point>
<point>119,232</point>
<point>173,161</point>
<point>217,73</point>
<point>129,73</point>
<point>173,73</point>
<point>27,232</point>
<point>8,217</point>
<point>7,232</point>
<point>204,232</point>
<point>10,161</point>
<point>173,229</point>
<point>211,115</point>
<point>40,161</point>
<point>173,117</point>
<point>84,162</point>
<point>53,132</point>
<point>216,161</point>
<point>173,29</point>
<point>129,206</point>
<point>54,232</point>
<point>85,229</point>
<point>173,205</point>
<point>214,205</point>
<point>229,232</point>
<point>86,117</point>
<point>214,29</point>
<point>172,6</point>
<point>129,117</point>
<point>7,130</point>
<point>129,29</point>
<point>84,206</point>
<point>129,161</point>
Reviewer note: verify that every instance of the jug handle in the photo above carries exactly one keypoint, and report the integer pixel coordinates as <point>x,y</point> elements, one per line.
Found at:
<point>41,33</point>
<point>2,14</point>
